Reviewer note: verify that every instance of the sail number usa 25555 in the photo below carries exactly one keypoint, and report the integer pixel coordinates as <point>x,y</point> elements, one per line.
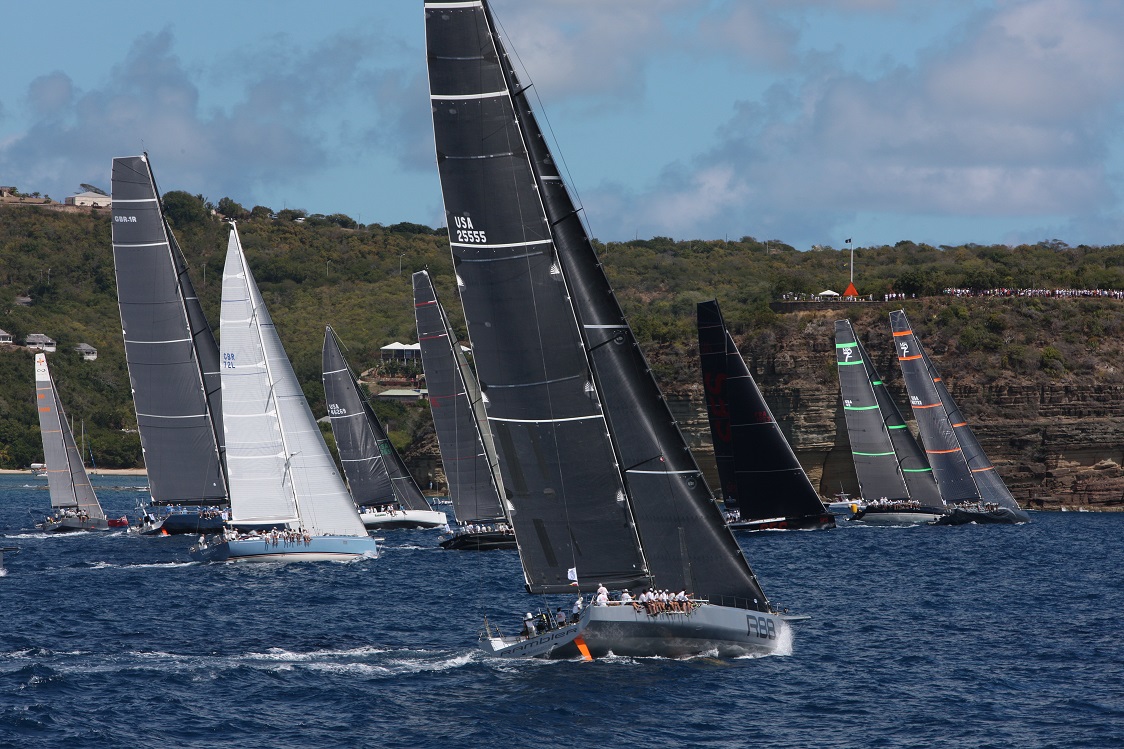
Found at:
<point>466,233</point>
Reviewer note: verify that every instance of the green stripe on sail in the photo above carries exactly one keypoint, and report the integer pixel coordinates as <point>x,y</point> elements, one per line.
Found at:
<point>852,344</point>
<point>845,363</point>
<point>876,383</point>
<point>916,470</point>
<point>872,455</point>
<point>859,408</point>
<point>896,426</point>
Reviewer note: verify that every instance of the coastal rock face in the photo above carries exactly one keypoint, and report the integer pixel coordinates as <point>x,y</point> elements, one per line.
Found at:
<point>1055,444</point>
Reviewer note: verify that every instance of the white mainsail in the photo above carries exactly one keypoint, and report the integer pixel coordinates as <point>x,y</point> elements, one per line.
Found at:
<point>279,467</point>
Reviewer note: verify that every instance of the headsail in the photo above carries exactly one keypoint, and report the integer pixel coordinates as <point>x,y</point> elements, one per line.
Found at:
<point>988,481</point>
<point>66,477</point>
<point>279,466</point>
<point>596,470</point>
<point>467,451</point>
<point>375,472</point>
<point>759,470</point>
<point>169,347</point>
<point>950,469</point>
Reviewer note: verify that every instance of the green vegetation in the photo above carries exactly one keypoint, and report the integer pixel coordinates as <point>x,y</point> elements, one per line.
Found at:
<point>328,269</point>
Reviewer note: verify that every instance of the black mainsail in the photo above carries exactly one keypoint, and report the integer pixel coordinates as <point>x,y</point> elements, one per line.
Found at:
<point>950,468</point>
<point>597,474</point>
<point>761,475</point>
<point>169,347</point>
<point>376,473</point>
<point>876,460</point>
<point>467,452</point>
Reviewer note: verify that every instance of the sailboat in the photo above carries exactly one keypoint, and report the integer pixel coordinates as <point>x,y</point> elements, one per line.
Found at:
<point>971,488</point>
<point>283,482</point>
<point>173,362</point>
<point>602,489</point>
<point>383,489</point>
<point>465,439</point>
<point>895,479</point>
<point>76,507</point>
<point>763,483</point>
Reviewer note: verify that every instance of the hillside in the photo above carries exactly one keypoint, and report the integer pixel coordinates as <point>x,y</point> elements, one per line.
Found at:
<point>1041,377</point>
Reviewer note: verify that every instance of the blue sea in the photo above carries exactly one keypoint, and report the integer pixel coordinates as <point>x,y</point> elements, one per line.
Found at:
<point>972,636</point>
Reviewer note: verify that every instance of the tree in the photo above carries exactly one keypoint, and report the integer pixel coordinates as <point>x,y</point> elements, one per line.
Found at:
<point>184,209</point>
<point>261,212</point>
<point>230,209</point>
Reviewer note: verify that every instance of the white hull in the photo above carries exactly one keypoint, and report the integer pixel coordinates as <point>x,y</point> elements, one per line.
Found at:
<point>266,549</point>
<point>897,518</point>
<point>403,519</point>
<point>539,646</point>
<point>708,628</point>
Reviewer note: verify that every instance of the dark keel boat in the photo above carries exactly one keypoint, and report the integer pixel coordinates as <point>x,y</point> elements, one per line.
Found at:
<point>969,484</point>
<point>763,483</point>
<point>386,494</point>
<point>895,479</point>
<point>173,361</point>
<point>465,439</point>
<point>599,481</point>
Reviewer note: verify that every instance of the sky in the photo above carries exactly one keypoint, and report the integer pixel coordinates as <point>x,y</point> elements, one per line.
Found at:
<point>804,121</point>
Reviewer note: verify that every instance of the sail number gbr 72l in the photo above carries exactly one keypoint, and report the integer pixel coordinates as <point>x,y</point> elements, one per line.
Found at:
<point>466,234</point>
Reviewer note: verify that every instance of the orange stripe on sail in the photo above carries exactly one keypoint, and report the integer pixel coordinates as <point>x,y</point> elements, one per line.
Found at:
<point>961,424</point>
<point>904,332</point>
<point>45,409</point>
<point>909,358</point>
<point>977,470</point>
<point>41,396</point>
<point>931,405</point>
<point>942,452</point>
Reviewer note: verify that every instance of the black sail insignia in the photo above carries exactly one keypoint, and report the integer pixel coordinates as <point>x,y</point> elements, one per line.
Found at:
<point>760,471</point>
<point>169,347</point>
<point>467,453</point>
<point>376,474</point>
<point>597,473</point>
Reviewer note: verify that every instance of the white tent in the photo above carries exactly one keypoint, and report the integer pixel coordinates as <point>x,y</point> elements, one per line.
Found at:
<point>828,292</point>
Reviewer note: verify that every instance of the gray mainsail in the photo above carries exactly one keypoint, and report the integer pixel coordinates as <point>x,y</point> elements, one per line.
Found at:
<point>950,469</point>
<point>988,481</point>
<point>876,460</point>
<point>375,471</point>
<point>66,476</point>
<point>467,451</point>
<point>169,347</point>
<point>597,473</point>
<point>760,470</point>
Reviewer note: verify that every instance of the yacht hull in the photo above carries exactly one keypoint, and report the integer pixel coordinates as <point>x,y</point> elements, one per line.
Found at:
<point>729,632</point>
<point>1001,516</point>
<point>180,523</point>
<point>72,524</point>
<point>484,541</point>
<point>403,519</point>
<point>899,516</point>
<point>265,549</point>
<point>540,646</point>
<point>820,522</point>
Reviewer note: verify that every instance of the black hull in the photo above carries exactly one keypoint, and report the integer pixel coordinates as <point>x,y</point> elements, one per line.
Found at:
<point>183,524</point>
<point>822,522</point>
<point>1002,516</point>
<point>479,541</point>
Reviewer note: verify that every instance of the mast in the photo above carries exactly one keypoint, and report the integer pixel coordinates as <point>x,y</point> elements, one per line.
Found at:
<point>467,450</point>
<point>375,471</point>
<point>169,347</point>
<point>950,469</point>
<point>762,470</point>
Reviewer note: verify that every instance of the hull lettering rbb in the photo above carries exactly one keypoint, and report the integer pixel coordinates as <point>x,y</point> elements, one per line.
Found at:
<point>760,626</point>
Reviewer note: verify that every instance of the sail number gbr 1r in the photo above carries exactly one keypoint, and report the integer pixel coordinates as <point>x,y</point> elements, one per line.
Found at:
<point>466,233</point>
<point>761,626</point>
